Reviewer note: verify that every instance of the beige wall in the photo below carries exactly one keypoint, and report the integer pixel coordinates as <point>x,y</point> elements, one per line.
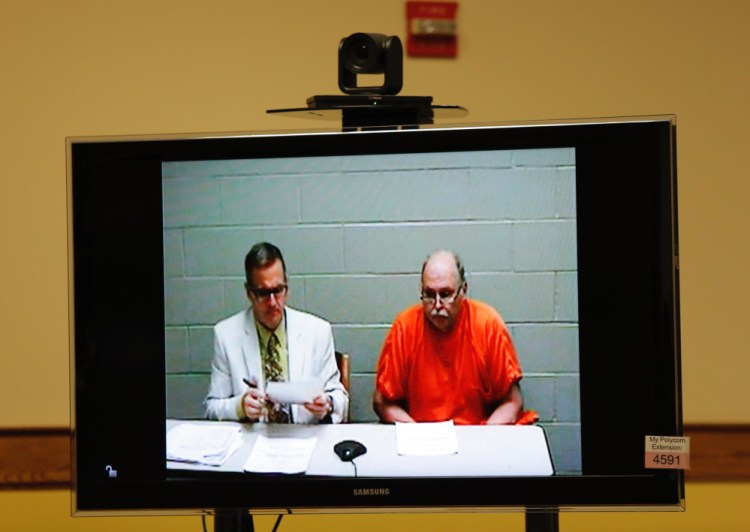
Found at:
<point>116,67</point>
<point>89,67</point>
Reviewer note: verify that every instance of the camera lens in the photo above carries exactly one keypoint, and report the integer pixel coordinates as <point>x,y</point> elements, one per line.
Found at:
<point>361,54</point>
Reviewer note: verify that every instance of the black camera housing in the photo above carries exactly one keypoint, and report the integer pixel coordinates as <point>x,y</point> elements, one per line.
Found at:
<point>371,53</point>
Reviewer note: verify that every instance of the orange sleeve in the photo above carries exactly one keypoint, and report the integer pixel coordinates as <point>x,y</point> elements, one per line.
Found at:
<point>390,380</point>
<point>504,362</point>
<point>511,371</point>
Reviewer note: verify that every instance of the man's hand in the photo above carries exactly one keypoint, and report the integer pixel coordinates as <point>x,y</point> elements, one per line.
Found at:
<point>321,406</point>
<point>252,404</point>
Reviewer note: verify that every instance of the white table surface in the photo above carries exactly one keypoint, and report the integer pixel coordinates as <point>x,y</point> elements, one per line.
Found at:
<point>483,451</point>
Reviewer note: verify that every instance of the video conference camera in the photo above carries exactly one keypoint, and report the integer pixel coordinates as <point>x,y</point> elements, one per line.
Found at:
<point>371,53</point>
<point>364,104</point>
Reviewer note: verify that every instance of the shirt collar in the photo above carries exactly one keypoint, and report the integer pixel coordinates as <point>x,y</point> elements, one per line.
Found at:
<point>264,334</point>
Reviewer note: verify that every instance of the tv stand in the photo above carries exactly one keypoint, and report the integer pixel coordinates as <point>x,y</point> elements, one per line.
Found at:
<point>233,520</point>
<point>541,521</point>
<point>238,520</point>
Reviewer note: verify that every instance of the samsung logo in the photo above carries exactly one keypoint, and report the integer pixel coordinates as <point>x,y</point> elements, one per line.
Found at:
<point>371,491</point>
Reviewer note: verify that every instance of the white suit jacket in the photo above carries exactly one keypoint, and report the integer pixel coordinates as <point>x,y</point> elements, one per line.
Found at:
<point>237,356</point>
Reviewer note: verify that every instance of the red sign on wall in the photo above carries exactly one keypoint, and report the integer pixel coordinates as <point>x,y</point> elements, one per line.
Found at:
<point>431,29</point>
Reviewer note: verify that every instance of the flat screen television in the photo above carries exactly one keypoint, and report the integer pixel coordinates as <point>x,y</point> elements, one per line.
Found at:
<point>567,228</point>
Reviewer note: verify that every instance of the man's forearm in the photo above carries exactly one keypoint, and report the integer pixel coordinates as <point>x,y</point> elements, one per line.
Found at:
<point>505,414</point>
<point>394,413</point>
<point>228,409</point>
<point>390,411</point>
<point>509,409</point>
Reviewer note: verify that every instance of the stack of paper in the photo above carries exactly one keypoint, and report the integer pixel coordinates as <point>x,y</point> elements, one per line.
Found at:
<point>206,444</point>
<point>426,439</point>
<point>281,455</point>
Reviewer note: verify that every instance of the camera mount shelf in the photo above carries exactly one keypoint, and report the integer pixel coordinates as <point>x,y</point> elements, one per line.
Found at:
<point>375,111</point>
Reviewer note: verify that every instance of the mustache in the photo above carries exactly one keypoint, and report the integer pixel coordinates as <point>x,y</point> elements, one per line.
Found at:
<point>443,313</point>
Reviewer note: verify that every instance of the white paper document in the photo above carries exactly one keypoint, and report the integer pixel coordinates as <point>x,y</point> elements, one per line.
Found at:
<point>203,443</point>
<point>280,455</point>
<point>295,391</point>
<point>426,439</point>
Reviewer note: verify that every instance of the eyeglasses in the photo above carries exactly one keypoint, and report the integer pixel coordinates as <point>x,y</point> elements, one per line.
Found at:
<point>446,296</point>
<point>264,294</point>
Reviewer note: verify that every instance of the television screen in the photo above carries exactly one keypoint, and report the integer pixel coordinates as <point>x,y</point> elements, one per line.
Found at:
<point>512,289</point>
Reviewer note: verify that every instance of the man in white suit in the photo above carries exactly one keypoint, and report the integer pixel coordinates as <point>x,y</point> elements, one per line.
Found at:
<point>272,342</point>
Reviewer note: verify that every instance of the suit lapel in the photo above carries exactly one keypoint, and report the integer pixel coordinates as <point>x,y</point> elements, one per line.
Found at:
<point>294,344</point>
<point>251,349</point>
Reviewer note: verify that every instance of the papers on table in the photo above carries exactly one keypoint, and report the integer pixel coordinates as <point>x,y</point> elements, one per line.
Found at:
<point>280,455</point>
<point>426,439</point>
<point>206,444</point>
<point>295,391</point>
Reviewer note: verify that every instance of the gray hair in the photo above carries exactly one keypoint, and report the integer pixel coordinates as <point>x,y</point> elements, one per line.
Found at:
<point>456,259</point>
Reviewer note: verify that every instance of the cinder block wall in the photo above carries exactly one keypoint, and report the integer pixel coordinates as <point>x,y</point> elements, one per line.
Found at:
<point>354,232</point>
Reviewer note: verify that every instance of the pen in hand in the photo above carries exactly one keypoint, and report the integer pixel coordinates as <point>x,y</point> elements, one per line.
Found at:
<point>252,401</point>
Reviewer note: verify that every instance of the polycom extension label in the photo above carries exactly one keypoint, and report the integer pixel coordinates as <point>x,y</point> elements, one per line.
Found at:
<point>667,452</point>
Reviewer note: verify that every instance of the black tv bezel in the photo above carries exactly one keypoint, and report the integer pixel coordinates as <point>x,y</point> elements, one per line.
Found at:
<point>627,278</point>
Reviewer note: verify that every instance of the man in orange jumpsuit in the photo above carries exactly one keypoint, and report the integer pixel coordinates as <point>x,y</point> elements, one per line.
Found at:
<point>449,358</point>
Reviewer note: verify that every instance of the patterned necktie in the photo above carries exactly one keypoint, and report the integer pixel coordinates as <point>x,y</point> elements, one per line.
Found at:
<point>275,373</point>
